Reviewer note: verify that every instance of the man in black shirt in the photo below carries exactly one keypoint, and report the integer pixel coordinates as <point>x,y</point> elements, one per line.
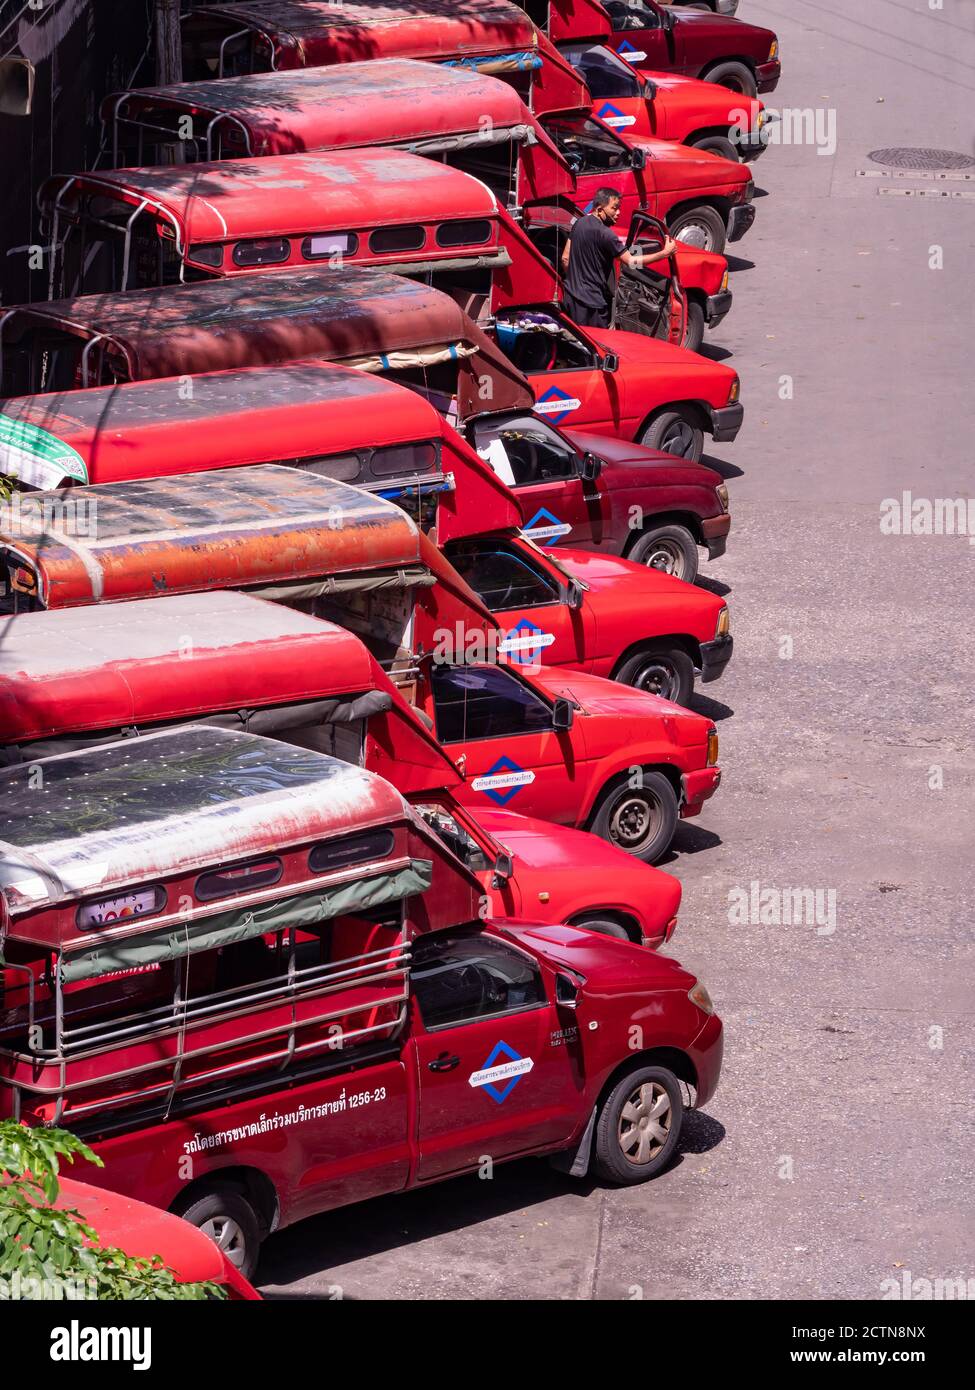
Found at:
<point>589,261</point>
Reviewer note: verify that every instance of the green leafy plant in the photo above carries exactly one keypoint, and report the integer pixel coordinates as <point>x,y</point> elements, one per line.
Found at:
<point>44,1247</point>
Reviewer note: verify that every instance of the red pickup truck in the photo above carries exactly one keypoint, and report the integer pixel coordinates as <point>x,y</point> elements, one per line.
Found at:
<point>330,1021</point>
<point>653,37</point>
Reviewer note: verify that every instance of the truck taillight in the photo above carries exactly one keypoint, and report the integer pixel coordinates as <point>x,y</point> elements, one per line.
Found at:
<point>712,747</point>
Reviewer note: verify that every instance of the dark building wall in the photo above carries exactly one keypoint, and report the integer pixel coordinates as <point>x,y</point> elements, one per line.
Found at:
<point>81,50</point>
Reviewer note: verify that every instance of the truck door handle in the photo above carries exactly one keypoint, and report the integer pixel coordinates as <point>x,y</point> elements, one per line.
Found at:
<point>444,1062</point>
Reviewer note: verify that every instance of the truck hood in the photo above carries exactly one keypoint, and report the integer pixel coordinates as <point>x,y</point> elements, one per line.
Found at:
<point>595,695</point>
<point>713,103</point>
<point>607,969</point>
<point>700,27</point>
<point>661,468</point>
<point>603,573</point>
<point>637,350</point>
<point>686,167</point>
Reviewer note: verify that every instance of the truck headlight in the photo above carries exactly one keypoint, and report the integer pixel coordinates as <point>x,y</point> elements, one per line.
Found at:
<point>773,51</point>
<point>721,492</point>
<point>699,996</point>
<point>724,623</point>
<point>712,747</point>
<point>733,391</point>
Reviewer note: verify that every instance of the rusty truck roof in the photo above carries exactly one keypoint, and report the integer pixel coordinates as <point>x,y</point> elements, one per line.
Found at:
<point>239,321</point>
<point>298,409</point>
<point>316,32</point>
<point>386,101</point>
<point>166,803</point>
<point>251,528</point>
<point>283,195</point>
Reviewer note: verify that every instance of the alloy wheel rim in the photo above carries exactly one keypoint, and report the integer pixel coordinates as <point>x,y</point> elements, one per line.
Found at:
<point>645,1123</point>
<point>227,1235</point>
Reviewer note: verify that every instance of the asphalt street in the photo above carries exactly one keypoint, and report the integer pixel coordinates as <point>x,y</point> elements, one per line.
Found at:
<point>837,1152</point>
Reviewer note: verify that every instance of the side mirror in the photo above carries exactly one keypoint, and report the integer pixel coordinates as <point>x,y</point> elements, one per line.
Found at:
<point>609,362</point>
<point>562,714</point>
<point>566,992</point>
<point>638,157</point>
<point>504,868</point>
<point>592,464</point>
<point>575,595</point>
<point>649,89</point>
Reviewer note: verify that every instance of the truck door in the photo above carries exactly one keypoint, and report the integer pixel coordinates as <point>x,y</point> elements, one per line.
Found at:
<point>566,372</point>
<point>494,1080</point>
<point>529,600</point>
<point>513,756</point>
<point>640,34</point>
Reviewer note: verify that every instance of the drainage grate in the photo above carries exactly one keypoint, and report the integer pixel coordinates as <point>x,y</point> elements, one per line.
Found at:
<point>906,158</point>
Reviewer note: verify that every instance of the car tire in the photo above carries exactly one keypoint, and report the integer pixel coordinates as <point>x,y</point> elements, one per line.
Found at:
<point>694,332</point>
<point>659,670</point>
<point>640,820</point>
<point>701,226</point>
<point>673,432</point>
<point>603,926</point>
<point>230,1221</point>
<point>671,549</point>
<point>638,1127</point>
<point>737,77</point>
<point>718,144</point>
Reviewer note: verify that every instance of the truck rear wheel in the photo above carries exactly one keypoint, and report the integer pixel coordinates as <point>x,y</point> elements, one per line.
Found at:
<point>702,227</point>
<point>738,77</point>
<point>642,819</point>
<point>229,1220</point>
<point>638,1126</point>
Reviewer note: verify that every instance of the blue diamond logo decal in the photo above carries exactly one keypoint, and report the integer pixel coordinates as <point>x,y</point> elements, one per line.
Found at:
<point>503,781</point>
<point>555,405</point>
<point>511,1063</point>
<point>546,528</point>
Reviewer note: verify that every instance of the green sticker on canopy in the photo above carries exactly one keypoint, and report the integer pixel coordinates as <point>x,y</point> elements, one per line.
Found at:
<point>36,457</point>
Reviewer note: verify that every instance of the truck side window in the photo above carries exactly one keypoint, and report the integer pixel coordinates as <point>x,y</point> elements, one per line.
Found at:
<point>473,702</point>
<point>501,578</point>
<point>589,148</point>
<point>458,979</point>
<point>535,452</point>
<point>631,15</point>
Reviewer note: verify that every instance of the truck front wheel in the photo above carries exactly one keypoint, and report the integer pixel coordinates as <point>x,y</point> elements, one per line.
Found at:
<point>673,432</point>
<point>230,1222</point>
<point>638,1126</point>
<point>737,77</point>
<point>660,670</point>
<point>671,549</point>
<point>640,819</point>
<point>702,227</point>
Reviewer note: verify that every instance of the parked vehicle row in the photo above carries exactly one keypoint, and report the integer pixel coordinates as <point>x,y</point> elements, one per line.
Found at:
<point>347,605</point>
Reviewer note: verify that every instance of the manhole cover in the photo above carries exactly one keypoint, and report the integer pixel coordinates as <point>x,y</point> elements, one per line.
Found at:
<point>922,159</point>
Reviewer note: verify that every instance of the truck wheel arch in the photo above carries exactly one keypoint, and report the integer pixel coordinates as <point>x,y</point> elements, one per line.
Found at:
<point>696,411</point>
<point>603,784</point>
<point>689,644</point>
<point>689,520</point>
<point>251,1183</point>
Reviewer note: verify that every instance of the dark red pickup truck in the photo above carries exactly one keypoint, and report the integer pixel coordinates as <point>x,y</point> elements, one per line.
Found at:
<point>652,37</point>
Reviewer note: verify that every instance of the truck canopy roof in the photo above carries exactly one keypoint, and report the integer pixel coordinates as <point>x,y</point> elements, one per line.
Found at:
<point>267,529</point>
<point>354,315</point>
<point>247,415</point>
<point>316,32</point>
<point>284,195</point>
<point>170,802</point>
<point>70,672</point>
<point>382,102</point>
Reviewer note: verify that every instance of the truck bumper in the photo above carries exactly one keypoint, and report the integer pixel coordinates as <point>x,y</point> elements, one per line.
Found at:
<point>767,75</point>
<point>715,657</point>
<point>707,1052</point>
<point>752,143</point>
<point>699,787</point>
<point>726,421</point>
<point>716,307</point>
<point>740,218</point>
<point>715,530</point>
